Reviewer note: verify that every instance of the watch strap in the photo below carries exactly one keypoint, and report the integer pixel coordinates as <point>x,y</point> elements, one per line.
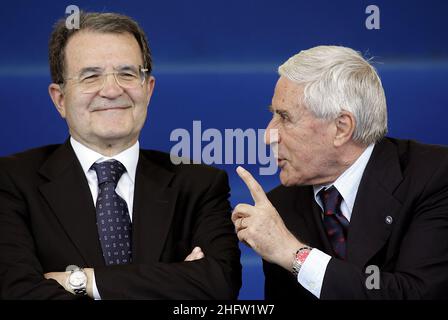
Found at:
<point>80,291</point>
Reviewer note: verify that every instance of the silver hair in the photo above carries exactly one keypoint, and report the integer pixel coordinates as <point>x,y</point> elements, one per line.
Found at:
<point>339,78</point>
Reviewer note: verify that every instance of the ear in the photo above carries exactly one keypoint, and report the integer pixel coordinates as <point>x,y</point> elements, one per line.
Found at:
<point>151,82</point>
<point>345,126</point>
<point>57,95</point>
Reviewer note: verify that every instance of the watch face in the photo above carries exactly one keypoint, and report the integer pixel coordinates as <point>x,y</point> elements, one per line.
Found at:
<point>77,278</point>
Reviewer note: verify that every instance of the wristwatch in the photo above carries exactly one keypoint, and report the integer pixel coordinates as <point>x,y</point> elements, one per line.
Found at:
<point>77,280</point>
<point>299,259</point>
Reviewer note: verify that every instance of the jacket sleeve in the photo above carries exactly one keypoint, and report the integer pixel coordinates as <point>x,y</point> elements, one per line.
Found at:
<point>21,274</point>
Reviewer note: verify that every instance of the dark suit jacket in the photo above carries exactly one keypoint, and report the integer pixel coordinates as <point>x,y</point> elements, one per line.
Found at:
<point>399,223</point>
<point>47,221</point>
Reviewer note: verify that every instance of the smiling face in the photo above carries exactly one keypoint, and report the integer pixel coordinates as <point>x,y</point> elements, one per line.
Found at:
<point>306,151</point>
<point>113,116</point>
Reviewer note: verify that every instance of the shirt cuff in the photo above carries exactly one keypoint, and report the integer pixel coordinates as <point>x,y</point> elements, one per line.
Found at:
<point>96,294</point>
<point>312,272</point>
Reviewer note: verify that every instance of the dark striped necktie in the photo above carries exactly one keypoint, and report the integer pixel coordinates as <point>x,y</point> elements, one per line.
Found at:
<point>336,225</point>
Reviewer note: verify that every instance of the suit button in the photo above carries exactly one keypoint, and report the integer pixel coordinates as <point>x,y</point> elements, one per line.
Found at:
<point>389,220</point>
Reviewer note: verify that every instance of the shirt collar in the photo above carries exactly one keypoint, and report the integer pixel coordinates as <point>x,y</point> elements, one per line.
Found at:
<point>348,182</point>
<point>87,157</point>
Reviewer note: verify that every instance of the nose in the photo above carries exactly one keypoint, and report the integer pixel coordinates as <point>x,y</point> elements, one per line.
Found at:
<point>111,89</point>
<point>272,135</point>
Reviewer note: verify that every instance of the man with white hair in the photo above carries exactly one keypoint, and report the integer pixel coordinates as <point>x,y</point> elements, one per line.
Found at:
<point>358,215</point>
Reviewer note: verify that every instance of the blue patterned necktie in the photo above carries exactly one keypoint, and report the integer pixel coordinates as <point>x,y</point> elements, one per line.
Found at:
<point>336,225</point>
<point>112,216</point>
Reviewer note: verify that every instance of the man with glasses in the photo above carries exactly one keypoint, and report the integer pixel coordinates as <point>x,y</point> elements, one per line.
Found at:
<point>97,216</point>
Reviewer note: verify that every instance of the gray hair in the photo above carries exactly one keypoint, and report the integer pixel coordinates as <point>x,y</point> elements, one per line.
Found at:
<point>338,78</point>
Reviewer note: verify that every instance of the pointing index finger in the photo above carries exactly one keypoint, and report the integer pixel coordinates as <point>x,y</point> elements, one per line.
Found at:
<point>254,187</point>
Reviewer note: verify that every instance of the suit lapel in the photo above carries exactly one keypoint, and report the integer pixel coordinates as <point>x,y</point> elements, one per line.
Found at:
<point>154,204</point>
<point>68,194</point>
<point>375,207</point>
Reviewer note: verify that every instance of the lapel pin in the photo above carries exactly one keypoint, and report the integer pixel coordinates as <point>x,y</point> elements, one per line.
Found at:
<point>389,220</point>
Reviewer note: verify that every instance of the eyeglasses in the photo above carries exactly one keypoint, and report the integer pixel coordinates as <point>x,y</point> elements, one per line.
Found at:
<point>93,79</point>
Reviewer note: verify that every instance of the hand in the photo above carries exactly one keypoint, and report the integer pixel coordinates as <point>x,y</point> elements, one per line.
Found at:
<point>261,227</point>
<point>62,279</point>
<point>196,254</point>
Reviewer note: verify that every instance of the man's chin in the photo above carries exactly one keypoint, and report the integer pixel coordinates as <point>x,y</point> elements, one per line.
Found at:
<point>284,178</point>
<point>289,180</point>
<point>113,136</point>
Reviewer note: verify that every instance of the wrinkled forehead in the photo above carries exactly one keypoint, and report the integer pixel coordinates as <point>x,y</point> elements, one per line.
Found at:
<point>287,94</point>
<point>103,50</point>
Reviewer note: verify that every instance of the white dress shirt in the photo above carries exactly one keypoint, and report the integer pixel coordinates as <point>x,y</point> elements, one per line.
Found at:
<point>312,272</point>
<point>125,186</point>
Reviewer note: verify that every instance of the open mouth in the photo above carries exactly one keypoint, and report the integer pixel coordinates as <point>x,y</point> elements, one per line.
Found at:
<point>281,162</point>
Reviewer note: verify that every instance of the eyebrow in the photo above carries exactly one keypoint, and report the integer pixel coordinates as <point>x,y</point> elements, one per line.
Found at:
<point>99,69</point>
<point>278,111</point>
<point>126,67</point>
<point>90,69</point>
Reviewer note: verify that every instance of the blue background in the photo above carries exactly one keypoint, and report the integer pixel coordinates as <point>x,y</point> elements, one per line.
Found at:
<point>216,61</point>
